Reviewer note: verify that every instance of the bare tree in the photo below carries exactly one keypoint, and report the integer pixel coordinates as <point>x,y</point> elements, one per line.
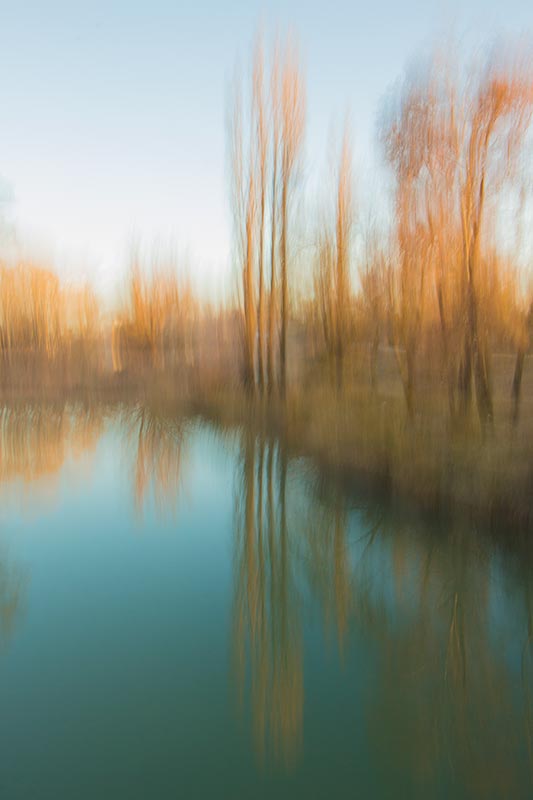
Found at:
<point>275,115</point>
<point>292,129</point>
<point>261,134</point>
<point>373,277</point>
<point>332,291</point>
<point>243,184</point>
<point>324,282</point>
<point>452,144</point>
<point>343,228</point>
<point>497,113</point>
<point>404,149</point>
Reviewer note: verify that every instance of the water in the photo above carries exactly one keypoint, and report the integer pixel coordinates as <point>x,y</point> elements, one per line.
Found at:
<point>187,613</point>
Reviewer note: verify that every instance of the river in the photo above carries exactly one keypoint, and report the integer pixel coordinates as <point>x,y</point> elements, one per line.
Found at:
<point>188,612</point>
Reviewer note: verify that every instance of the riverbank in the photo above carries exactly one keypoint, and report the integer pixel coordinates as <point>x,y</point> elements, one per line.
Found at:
<point>363,437</point>
<point>421,463</point>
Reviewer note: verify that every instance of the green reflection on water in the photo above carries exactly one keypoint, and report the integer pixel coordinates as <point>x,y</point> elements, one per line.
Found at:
<point>274,635</point>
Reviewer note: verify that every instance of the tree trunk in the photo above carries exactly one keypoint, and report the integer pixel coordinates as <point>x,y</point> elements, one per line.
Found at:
<point>483,385</point>
<point>260,310</point>
<point>516,389</point>
<point>465,378</point>
<point>249,305</point>
<point>284,291</point>
<point>272,297</point>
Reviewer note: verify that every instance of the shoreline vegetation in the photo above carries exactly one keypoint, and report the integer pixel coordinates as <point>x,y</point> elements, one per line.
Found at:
<point>420,465</point>
<point>395,353</point>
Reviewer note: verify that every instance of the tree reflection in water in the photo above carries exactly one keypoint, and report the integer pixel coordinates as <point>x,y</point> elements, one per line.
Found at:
<point>159,446</point>
<point>13,583</point>
<point>448,614</point>
<point>35,438</point>
<point>267,639</point>
<point>449,697</point>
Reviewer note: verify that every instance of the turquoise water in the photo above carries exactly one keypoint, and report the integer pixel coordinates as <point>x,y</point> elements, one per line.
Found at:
<point>187,613</point>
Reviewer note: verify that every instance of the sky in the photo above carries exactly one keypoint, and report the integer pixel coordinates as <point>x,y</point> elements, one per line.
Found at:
<point>113,113</point>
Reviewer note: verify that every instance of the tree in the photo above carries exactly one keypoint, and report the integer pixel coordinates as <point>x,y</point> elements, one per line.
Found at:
<point>244,206</point>
<point>343,228</point>
<point>452,145</point>
<point>404,151</point>
<point>261,137</point>
<point>497,114</point>
<point>292,128</point>
<point>275,117</point>
<point>332,290</point>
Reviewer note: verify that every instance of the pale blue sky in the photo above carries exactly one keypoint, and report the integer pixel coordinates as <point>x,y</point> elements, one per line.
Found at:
<point>112,114</point>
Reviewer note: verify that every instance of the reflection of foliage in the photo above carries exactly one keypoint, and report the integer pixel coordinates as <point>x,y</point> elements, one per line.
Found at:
<point>159,443</point>
<point>35,438</point>
<point>522,577</point>
<point>12,589</point>
<point>329,566</point>
<point>441,679</point>
<point>266,622</point>
<point>446,702</point>
<point>85,427</point>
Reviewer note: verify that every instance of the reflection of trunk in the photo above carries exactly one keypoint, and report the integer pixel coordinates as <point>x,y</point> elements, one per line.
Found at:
<point>526,684</point>
<point>283,547</point>
<point>260,512</point>
<point>272,550</point>
<point>249,527</point>
<point>261,554</point>
<point>260,653</point>
<point>287,722</point>
<point>264,629</point>
<point>341,579</point>
<point>140,466</point>
<point>455,667</point>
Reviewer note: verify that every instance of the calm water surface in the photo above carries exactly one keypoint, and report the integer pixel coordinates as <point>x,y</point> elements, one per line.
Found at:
<point>186,613</point>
